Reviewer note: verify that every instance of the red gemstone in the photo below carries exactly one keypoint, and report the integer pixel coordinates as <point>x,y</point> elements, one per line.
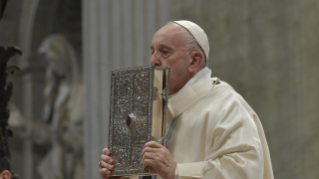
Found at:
<point>128,120</point>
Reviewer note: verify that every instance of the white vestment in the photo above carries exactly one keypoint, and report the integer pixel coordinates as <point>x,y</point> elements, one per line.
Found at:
<point>217,134</point>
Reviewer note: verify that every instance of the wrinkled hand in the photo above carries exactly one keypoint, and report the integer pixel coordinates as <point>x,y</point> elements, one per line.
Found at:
<point>106,163</point>
<point>158,157</point>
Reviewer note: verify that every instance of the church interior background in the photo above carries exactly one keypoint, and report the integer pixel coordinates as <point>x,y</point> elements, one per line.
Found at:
<point>267,50</point>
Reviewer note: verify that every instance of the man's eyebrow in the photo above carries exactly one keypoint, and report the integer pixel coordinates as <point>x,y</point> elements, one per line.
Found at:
<point>165,46</point>
<point>161,46</point>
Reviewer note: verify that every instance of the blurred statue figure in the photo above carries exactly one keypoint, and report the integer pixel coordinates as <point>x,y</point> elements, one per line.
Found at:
<point>63,110</point>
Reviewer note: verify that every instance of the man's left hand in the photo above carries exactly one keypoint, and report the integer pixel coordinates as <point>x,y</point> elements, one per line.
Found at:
<point>158,157</point>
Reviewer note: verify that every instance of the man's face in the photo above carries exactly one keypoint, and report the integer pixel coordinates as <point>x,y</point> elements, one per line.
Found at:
<point>168,50</point>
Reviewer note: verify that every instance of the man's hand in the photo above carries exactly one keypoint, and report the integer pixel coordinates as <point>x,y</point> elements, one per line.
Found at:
<point>157,156</point>
<point>106,163</point>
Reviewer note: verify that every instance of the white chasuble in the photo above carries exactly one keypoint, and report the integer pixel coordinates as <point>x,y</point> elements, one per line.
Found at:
<point>217,134</point>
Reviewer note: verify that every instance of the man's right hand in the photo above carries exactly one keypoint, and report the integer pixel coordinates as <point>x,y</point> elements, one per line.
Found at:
<point>106,162</point>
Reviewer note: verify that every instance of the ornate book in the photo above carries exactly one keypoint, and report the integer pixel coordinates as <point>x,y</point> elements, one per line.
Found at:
<point>138,115</point>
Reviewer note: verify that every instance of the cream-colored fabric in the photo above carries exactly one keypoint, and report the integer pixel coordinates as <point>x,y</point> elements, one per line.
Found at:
<point>217,134</point>
<point>203,74</point>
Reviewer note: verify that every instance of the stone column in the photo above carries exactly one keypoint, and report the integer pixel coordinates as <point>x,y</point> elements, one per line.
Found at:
<point>25,35</point>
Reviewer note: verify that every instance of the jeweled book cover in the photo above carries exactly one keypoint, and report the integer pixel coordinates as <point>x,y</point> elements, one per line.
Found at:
<point>138,113</point>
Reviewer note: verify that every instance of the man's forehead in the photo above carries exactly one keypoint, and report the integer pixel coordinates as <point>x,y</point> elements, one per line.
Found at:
<point>168,35</point>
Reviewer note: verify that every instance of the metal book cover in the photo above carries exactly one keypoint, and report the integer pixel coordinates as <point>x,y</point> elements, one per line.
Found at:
<point>138,113</point>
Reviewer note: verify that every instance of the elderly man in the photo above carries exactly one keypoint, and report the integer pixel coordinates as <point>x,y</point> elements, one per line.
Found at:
<point>215,133</point>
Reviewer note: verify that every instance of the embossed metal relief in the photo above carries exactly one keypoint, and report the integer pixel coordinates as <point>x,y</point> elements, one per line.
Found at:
<point>134,91</point>
<point>131,95</point>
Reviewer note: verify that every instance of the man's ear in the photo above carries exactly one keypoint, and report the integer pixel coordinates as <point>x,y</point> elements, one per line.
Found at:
<point>197,59</point>
<point>5,174</point>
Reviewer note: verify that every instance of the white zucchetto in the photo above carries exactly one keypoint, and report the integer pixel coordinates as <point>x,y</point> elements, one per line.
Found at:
<point>198,33</point>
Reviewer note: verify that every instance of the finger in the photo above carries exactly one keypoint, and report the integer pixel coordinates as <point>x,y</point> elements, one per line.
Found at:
<point>151,156</point>
<point>106,151</point>
<point>107,159</point>
<point>104,172</point>
<point>161,150</point>
<point>149,162</point>
<point>106,165</point>
<point>153,144</point>
<point>150,150</point>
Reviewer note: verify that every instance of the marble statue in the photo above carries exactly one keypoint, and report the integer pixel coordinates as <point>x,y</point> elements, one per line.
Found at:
<point>63,111</point>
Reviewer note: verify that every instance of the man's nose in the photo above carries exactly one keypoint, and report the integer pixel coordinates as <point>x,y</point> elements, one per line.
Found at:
<point>155,61</point>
